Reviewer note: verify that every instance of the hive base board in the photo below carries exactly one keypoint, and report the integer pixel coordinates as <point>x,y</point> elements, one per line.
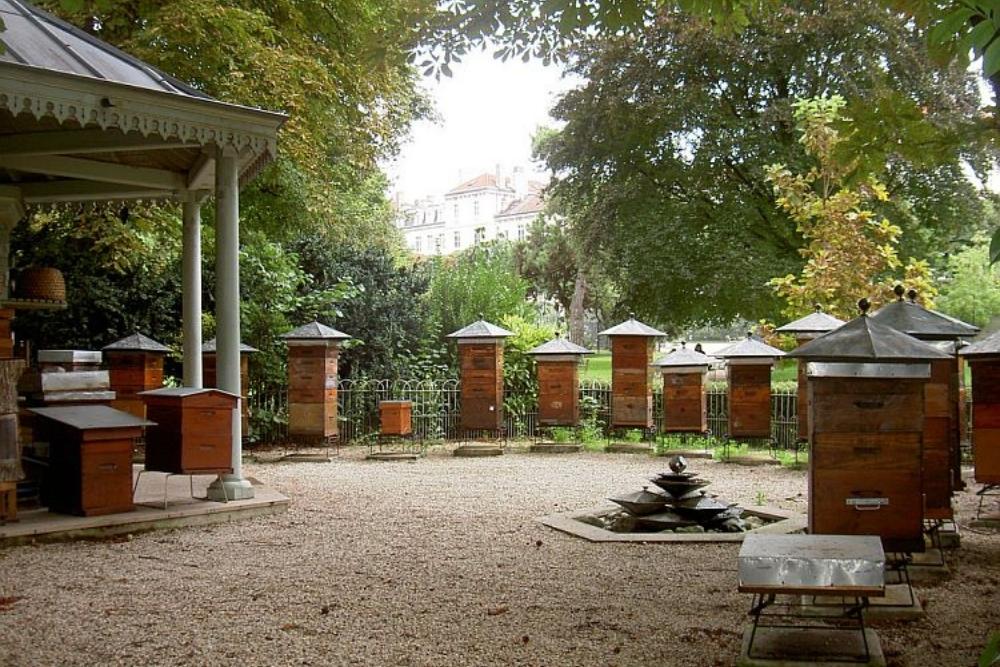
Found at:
<point>629,448</point>
<point>783,647</point>
<point>555,448</point>
<point>751,461</point>
<point>928,567</point>
<point>306,457</point>
<point>474,451</point>
<point>392,456</point>
<point>688,453</point>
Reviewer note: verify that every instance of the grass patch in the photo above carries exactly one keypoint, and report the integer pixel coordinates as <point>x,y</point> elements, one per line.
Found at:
<point>597,367</point>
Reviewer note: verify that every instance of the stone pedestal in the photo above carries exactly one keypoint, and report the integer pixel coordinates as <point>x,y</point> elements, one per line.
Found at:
<point>10,446</point>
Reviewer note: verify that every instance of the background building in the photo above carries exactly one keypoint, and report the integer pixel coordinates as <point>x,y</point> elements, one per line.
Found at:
<point>487,207</point>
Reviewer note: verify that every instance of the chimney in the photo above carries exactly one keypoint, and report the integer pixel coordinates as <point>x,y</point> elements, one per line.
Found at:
<point>520,182</point>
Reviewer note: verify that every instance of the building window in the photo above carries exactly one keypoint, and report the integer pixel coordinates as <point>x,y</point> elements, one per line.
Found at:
<point>416,244</point>
<point>458,240</point>
<point>455,209</point>
<point>520,232</point>
<point>480,234</point>
<point>437,244</point>
<point>475,208</point>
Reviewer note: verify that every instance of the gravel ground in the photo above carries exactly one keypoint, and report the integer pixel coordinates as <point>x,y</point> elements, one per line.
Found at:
<point>439,562</point>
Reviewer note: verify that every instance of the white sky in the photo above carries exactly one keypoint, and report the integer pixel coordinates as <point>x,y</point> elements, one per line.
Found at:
<point>488,111</point>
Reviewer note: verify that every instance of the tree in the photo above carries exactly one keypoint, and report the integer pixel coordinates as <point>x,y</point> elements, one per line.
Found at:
<point>971,288</point>
<point>664,148</point>
<point>849,249</point>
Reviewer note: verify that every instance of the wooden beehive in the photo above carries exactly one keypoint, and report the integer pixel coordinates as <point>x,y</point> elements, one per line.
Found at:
<point>6,333</point>
<point>685,402</point>
<point>209,377</point>
<point>135,364</point>
<point>865,464</point>
<point>395,418</point>
<point>90,458</point>
<point>480,358</point>
<point>749,389</point>
<point>983,358</point>
<point>866,415</point>
<point>313,354</point>
<point>558,362</point>
<point>631,381</point>
<point>193,431</point>
<point>940,430</point>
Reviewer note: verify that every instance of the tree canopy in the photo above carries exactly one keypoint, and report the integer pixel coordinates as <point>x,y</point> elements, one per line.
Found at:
<point>663,151</point>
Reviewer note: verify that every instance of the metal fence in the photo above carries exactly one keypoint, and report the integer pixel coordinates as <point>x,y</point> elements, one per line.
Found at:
<point>436,405</point>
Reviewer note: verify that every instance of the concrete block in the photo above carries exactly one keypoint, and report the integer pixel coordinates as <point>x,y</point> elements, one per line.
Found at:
<point>793,647</point>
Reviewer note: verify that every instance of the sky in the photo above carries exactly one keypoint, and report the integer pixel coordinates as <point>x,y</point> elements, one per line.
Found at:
<point>488,111</point>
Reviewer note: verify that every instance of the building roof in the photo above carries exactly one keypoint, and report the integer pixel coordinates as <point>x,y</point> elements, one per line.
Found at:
<point>480,182</point>
<point>209,346</point>
<point>481,329</point>
<point>632,327</point>
<point>749,348</point>
<point>315,331</point>
<point>912,318</point>
<point>683,357</point>
<point>988,346</point>
<point>525,206</point>
<point>38,39</point>
<point>816,322</point>
<point>136,343</point>
<point>865,339</point>
<point>559,345</point>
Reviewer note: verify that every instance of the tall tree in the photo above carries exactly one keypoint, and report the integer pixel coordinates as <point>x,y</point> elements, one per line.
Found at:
<point>664,147</point>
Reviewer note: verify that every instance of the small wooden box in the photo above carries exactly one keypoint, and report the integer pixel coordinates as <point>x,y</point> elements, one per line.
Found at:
<point>193,432</point>
<point>685,403</point>
<point>90,458</point>
<point>396,417</point>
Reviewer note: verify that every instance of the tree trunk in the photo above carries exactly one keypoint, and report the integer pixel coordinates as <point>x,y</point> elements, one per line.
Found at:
<point>576,311</point>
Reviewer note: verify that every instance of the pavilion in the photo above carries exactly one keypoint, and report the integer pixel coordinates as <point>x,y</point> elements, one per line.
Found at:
<point>82,121</point>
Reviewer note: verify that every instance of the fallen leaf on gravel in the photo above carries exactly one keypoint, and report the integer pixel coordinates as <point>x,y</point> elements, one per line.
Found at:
<point>496,611</point>
<point>8,602</point>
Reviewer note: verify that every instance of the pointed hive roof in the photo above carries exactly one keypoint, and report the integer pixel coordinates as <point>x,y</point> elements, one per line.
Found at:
<point>748,348</point>
<point>632,327</point>
<point>559,345</point>
<point>136,343</point>
<point>911,318</point>
<point>816,322</point>
<point>315,331</point>
<point>985,347</point>
<point>864,339</point>
<point>683,357</point>
<point>209,346</point>
<point>481,329</point>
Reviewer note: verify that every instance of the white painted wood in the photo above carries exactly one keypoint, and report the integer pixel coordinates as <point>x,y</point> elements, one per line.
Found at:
<point>191,290</point>
<point>69,142</point>
<point>72,167</point>
<point>82,191</point>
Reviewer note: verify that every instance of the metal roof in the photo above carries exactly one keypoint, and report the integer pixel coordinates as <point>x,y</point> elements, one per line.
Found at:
<point>481,329</point>
<point>315,331</point>
<point>815,322</point>
<point>137,342</point>
<point>559,345</point>
<point>985,347</point>
<point>86,417</point>
<point>209,346</point>
<point>683,357</point>
<point>186,391</point>
<point>864,339</point>
<point>38,39</point>
<point>912,318</point>
<point>748,348</point>
<point>632,327</point>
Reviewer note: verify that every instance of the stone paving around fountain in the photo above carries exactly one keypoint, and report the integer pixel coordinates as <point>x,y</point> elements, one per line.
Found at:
<point>438,562</point>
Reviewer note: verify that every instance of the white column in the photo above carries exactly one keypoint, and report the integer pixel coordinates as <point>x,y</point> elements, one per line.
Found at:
<point>191,290</point>
<point>227,311</point>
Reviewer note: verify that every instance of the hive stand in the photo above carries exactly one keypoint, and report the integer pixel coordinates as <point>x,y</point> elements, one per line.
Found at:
<point>558,363</point>
<point>480,353</point>
<point>749,363</point>
<point>984,361</point>
<point>135,364</point>
<point>313,354</point>
<point>632,347</point>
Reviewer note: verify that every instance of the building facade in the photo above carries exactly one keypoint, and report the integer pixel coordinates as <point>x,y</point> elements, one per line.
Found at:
<point>484,208</point>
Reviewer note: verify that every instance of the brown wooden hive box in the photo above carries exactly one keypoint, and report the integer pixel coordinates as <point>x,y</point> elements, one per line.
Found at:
<point>750,400</point>
<point>558,393</point>
<point>193,432</point>
<point>986,419</point>
<point>866,462</point>
<point>481,385</point>
<point>396,418</point>
<point>631,381</point>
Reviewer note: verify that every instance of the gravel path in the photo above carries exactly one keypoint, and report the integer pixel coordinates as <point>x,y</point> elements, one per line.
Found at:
<point>440,562</point>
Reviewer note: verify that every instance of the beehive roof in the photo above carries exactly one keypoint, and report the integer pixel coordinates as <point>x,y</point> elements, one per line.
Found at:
<point>632,327</point>
<point>683,357</point>
<point>315,331</point>
<point>137,342</point>
<point>815,322</point>
<point>864,339</point>
<point>481,329</point>
<point>748,348</point>
<point>913,319</point>
<point>209,346</point>
<point>985,347</point>
<point>559,345</point>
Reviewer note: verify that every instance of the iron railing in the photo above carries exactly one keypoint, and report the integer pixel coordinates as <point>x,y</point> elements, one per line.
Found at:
<point>436,410</point>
